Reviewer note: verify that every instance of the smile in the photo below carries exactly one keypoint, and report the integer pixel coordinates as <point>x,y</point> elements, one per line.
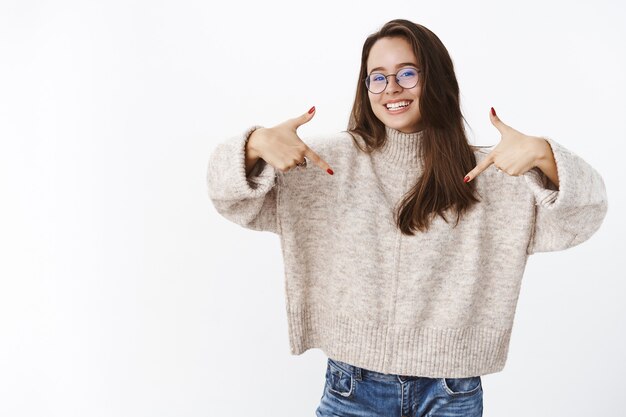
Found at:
<point>398,107</point>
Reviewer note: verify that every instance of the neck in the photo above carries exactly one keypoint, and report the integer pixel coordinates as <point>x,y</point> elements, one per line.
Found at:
<point>400,149</point>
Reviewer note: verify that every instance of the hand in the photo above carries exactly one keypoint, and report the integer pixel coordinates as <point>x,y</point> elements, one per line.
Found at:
<point>516,153</point>
<point>281,147</point>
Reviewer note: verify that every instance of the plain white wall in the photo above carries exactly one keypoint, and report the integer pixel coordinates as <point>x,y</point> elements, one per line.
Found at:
<point>124,293</point>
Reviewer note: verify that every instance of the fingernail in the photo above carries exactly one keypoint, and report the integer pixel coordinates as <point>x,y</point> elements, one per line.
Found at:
<point>466,179</point>
<point>330,171</point>
<point>312,109</point>
<point>493,111</point>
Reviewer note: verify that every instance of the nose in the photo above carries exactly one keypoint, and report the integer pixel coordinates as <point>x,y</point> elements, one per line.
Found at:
<point>392,85</point>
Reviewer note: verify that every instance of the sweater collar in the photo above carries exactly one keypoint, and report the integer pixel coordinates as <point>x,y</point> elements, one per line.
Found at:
<point>400,149</point>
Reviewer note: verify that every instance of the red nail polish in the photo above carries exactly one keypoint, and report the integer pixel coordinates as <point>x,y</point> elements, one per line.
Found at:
<point>330,171</point>
<point>466,179</point>
<point>312,109</point>
<point>493,111</point>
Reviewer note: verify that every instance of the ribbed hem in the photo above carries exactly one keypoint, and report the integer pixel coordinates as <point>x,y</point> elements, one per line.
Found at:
<point>415,351</point>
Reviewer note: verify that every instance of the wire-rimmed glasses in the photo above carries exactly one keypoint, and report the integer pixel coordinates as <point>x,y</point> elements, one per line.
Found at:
<point>407,77</point>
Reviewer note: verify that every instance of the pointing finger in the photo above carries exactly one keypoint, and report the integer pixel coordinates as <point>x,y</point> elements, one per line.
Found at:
<point>482,165</point>
<point>318,160</point>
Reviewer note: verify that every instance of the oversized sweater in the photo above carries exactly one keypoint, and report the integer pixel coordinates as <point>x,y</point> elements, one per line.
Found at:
<point>440,303</point>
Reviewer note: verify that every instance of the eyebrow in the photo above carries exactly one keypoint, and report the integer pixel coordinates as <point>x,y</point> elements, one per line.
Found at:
<point>397,66</point>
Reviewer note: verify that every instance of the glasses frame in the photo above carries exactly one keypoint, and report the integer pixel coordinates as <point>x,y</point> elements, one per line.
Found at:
<point>419,70</point>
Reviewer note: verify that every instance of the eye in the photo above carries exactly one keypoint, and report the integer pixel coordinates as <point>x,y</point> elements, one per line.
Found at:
<point>408,72</point>
<point>377,77</point>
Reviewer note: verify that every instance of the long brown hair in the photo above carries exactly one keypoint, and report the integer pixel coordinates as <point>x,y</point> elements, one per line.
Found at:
<point>445,151</point>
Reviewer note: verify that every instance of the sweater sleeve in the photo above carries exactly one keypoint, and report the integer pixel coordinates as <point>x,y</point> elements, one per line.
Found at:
<point>249,201</point>
<point>570,214</point>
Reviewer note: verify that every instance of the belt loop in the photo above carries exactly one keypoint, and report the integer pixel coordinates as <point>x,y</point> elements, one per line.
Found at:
<point>357,373</point>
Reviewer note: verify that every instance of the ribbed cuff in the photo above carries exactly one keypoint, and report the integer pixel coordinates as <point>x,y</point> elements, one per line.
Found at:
<point>227,171</point>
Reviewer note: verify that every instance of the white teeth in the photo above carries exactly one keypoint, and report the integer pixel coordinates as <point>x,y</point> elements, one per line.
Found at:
<point>397,105</point>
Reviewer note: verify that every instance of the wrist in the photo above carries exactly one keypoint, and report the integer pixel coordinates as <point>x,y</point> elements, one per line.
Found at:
<point>251,142</point>
<point>541,151</point>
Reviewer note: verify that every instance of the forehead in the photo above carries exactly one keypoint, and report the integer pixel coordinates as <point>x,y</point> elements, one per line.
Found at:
<point>390,54</point>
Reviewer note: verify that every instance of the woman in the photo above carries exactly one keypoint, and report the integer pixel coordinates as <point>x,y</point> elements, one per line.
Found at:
<point>405,246</point>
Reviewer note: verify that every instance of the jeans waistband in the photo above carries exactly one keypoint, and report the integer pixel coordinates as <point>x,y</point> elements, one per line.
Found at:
<point>362,373</point>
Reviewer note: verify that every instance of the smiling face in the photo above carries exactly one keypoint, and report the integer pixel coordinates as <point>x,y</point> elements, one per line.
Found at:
<point>387,56</point>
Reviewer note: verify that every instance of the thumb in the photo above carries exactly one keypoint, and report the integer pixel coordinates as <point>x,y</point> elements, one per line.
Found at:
<point>496,122</point>
<point>303,118</point>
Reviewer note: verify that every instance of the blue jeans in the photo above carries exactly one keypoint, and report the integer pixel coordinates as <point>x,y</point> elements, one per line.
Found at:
<point>351,391</point>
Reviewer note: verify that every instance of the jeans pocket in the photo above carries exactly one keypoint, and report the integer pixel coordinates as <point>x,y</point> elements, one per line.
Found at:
<point>338,380</point>
<point>461,386</point>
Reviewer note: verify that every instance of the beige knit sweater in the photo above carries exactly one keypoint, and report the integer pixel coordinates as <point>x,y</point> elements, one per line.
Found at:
<point>437,304</point>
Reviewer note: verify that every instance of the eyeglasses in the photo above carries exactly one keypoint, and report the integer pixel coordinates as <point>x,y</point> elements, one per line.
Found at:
<point>406,78</point>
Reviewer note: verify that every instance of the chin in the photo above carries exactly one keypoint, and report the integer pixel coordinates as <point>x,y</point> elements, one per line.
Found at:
<point>400,124</point>
<point>402,127</point>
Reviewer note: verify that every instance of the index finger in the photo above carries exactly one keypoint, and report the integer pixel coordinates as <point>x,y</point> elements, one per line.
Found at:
<point>310,153</point>
<point>482,165</point>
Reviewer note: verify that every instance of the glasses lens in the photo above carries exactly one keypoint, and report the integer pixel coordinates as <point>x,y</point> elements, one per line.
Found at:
<point>376,82</point>
<point>407,77</point>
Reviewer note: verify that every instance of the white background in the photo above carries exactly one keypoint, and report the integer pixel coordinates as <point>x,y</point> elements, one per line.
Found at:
<point>124,293</point>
